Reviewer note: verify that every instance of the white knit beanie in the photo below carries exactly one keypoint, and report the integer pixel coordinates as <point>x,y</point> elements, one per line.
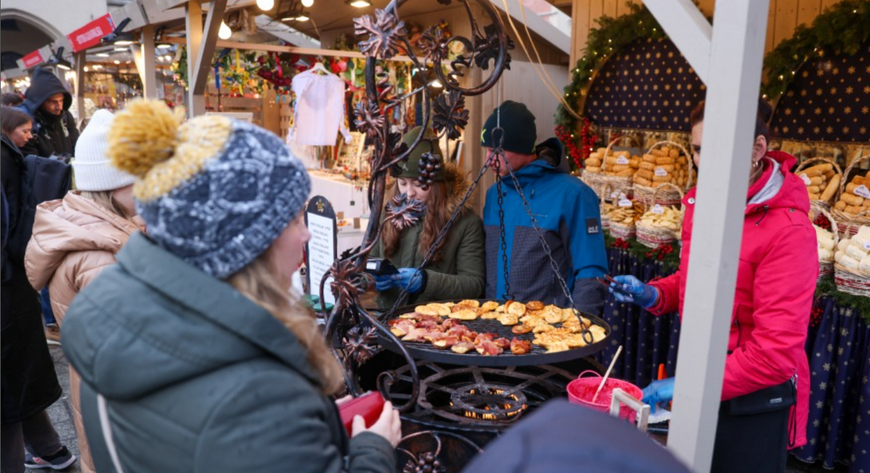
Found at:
<point>93,171</point>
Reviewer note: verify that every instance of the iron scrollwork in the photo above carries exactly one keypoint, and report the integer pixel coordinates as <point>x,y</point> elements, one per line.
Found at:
<point>350,328</point>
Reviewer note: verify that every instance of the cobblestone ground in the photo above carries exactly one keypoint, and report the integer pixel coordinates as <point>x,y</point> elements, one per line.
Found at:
<point>61,417</point>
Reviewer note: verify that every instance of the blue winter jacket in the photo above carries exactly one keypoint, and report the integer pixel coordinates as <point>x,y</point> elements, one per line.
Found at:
<point>566,211</point>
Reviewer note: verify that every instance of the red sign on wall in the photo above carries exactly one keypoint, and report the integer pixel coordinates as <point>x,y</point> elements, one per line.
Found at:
<point>91,34</point>
<point>33,59</point>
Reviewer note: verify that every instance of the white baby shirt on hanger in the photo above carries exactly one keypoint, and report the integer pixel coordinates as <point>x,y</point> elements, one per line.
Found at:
<point>319,112</point>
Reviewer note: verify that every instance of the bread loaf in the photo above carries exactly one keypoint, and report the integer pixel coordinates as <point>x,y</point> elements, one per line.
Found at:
<point>831,188</point>
<point>852,199</point>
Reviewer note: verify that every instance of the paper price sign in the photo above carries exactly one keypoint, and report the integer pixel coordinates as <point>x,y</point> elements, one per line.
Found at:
<point>862,191</point>
<point>804,178</point>
<point>622,160</point>
<point>867,245</point>
<point>661,172</point>
<point>625,203</point>
<point>658,209</point>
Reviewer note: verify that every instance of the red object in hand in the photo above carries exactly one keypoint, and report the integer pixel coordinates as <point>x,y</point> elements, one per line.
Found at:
<point>369,406</point>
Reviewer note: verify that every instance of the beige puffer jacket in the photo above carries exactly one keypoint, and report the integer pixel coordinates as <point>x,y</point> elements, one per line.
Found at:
<point>73,240</point>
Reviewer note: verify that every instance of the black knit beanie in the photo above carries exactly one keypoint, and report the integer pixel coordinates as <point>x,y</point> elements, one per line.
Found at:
<point>518,124</point>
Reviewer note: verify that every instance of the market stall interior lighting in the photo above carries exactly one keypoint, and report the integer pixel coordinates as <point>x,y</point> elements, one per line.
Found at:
<point>358,3</point>
<point>102,54</point>
<point>224,32</point>
<point>265,4</point>
<point>164,46</point>
<point>307,3</point>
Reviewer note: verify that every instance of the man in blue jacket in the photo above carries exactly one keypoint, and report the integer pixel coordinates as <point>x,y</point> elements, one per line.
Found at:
<point>564,208</point>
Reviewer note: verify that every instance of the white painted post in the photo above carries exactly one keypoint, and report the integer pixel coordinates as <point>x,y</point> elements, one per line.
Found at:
<point>193,19</point>
<point>733,81</point>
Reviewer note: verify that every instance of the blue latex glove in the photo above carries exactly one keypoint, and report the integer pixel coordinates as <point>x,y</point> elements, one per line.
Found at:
<point>408,278</point>
<point>382,283</point>
<point>630,289</point>
<point>661,391</point>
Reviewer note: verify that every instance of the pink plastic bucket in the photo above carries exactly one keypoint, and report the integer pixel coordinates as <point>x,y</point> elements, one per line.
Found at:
<point>581,391</point>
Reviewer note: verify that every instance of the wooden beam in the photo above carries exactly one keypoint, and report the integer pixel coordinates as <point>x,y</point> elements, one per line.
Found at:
<point>277,48</point>
<point>193,14</point>
<point>688,29</point>
<point>147,65</point>
<point>200,73</point>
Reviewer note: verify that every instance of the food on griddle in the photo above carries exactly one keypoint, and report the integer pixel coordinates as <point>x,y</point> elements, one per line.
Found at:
<point>520,347</point>
<point>489,306</point>
<point>464,314</point>
<point>427,324</point>
<point>521,329</point>
<point>535,305</point>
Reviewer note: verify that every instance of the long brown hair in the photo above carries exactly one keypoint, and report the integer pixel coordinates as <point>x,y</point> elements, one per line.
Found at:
<point>436,217</point>
<point>259,281</point>
<point>762,117</point>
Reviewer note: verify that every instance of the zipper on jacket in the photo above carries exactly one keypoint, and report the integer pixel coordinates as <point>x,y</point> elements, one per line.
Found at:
<point>766,207</point>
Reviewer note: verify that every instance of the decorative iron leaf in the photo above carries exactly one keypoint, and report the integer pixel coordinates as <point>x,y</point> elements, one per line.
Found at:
<point>359,344</point>
<point>404,212</point>
<point>347,282</point>
<point>446,117</point>
<point>434,44</point>
<point>487,48</point>
<point>368,118</point>
<point>384,31</point>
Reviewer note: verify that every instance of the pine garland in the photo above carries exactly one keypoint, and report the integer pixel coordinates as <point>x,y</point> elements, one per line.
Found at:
<point>841,29</point>
<point>670,260</point>
<point>827,287</point>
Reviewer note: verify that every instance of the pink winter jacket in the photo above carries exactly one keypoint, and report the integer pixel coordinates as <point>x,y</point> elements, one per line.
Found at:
<point>776,281</point>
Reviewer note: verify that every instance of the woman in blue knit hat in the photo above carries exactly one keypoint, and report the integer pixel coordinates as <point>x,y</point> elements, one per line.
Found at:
<point>193,353</point>
<point>456,269</point>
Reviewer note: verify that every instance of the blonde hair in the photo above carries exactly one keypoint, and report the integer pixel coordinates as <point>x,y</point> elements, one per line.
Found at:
<point>259,282</point>
<point>107,200</point>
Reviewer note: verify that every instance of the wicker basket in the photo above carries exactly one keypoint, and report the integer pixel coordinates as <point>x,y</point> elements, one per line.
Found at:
<point>673,195</point>
<point>852,281</point>
<point>653,237</point>
<point>826,267</point>
<point>622,230</point>
<point>837,168</point>
<point>844,218</point>
<point>595,180</point>
<point>602,197</point>
<point>617,184</point>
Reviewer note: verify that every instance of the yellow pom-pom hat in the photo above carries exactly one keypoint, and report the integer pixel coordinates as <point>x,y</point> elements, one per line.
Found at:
<point>215,192</point>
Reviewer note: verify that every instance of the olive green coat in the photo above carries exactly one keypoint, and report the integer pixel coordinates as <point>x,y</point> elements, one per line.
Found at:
<point>461,272</point>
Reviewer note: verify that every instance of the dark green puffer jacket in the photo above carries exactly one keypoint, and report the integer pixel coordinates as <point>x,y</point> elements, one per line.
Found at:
<point>461,272</point>
<point>199,379</point>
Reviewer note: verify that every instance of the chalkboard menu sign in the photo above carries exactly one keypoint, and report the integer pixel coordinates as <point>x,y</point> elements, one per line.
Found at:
<point>321,250</point>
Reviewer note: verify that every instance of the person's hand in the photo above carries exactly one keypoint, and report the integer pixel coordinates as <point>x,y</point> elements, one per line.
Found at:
<point>630,289</point>
<point>388,425</point>
<point>342,400</point>
<point>661,391</point>
<point>408,278</point>
<point>382,283</point>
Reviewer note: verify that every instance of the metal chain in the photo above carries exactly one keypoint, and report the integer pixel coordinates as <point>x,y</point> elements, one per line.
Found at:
<point>553,265</point>
<point>501,227</point>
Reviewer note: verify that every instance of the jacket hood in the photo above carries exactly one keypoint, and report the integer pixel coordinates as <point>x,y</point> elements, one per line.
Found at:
<point>43,85</point>
<point>792,193</point>
<point>73,224</point>
<point>152,321</point>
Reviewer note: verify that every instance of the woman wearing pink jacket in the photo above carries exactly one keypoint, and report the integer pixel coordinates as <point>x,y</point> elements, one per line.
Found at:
<point>776,280</point>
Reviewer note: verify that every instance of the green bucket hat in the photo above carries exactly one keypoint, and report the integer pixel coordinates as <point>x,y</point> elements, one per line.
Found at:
<point>411,168</point>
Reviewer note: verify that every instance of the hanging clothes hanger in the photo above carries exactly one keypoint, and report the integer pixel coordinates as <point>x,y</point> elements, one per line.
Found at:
<point>318,67</point>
